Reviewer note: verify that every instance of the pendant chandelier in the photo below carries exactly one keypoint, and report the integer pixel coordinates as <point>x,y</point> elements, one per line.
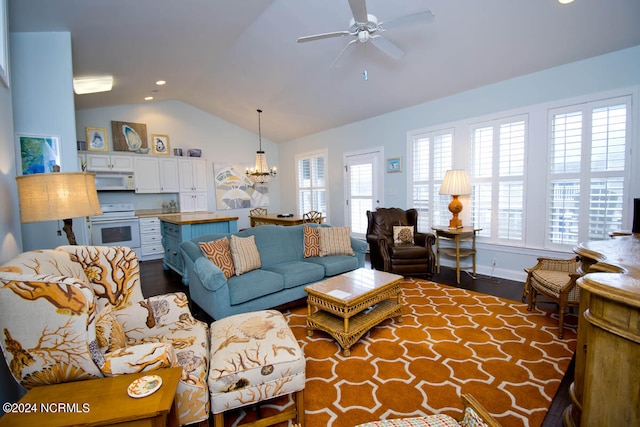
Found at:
<point>260,174</point>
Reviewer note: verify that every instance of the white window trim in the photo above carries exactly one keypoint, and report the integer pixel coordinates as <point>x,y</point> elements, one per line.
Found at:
<point>309,155</point>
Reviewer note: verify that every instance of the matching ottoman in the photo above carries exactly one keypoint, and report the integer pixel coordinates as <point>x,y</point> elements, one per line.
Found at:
<point>255,357</point>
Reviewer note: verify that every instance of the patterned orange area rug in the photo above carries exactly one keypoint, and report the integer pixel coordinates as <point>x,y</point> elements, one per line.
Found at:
<point>450,341</point>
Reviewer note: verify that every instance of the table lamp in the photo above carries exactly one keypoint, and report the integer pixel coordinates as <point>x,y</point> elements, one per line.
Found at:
<point>58,196</point>
<point>455,183</point>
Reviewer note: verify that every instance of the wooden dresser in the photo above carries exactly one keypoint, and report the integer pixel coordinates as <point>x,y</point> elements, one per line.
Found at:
<point>606,388</point>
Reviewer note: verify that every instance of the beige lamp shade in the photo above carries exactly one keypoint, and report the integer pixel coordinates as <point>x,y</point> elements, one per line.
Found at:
<point>455,183</point>
<point>54,196</point>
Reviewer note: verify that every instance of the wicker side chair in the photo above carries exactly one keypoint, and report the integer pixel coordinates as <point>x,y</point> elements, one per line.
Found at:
<point>258,212</point>
<point>312,216</point>
<point>556,280</point>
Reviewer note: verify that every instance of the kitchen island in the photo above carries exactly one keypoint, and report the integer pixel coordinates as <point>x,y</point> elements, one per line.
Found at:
<point>179,227</point>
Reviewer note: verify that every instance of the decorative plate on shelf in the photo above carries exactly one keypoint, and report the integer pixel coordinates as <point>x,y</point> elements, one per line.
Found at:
<point>144,386</point>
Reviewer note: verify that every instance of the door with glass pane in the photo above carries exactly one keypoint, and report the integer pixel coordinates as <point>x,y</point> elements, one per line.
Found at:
<point>363,183</point>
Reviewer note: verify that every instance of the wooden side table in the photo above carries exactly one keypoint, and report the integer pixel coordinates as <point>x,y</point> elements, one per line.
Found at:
<point>457,251</point>
<point>99,402</point>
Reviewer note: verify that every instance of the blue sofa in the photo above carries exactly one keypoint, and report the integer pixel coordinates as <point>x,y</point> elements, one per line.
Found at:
<point>281,279</point>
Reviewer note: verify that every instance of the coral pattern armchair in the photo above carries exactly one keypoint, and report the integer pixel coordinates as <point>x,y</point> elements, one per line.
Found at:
<point>395,244</point>
<point>77,312</point>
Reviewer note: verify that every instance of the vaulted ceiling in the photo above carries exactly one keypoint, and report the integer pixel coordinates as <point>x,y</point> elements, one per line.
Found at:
<point>230,57</point>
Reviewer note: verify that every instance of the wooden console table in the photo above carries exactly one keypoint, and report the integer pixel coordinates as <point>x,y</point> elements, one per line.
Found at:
<point>275,219</point>
<point>457,251</point>
<point>607,371</point>
<point>177,228</point>
<point>99,402</point>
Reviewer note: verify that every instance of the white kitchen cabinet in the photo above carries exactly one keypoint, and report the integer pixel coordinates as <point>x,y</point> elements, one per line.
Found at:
<point>193,184</point>
<point>109,163</point>
<point>169,179</point>
<point>193,202</point>
<point>151,239</point>
<point>193,175</point>
<point>147,174</point>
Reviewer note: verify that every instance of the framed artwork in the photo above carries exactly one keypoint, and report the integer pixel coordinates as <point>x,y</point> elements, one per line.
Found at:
<point>129,136</point>
<point>38,154</point>
<point>394,164</point>
<point>234,190</point>
<point>160,144</point>
<point>97,139</point>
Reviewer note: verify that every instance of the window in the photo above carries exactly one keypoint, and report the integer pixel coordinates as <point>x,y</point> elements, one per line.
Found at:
<point>312,184</point>
<point>431,157</point>
<point>497,178</point>
<point>588,145</point>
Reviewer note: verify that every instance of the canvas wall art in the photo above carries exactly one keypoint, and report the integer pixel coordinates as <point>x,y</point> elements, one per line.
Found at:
<point>235,191</point>
<point>129,136</point>
<point>38,154</point>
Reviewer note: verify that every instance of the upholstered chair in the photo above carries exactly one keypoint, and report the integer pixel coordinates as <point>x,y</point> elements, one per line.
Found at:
<point>312,216</point>
<point>395,244</point>
<point>77,312</point>
<point>556,280</point>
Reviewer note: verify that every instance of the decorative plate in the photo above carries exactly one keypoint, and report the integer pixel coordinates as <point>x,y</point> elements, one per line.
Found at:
<point>144,386</point>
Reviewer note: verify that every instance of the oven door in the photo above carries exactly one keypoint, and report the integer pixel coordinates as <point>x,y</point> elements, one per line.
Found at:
<point>117,232</point>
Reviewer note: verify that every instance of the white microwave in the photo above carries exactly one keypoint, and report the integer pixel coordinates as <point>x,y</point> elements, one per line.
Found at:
<point>114,182</point>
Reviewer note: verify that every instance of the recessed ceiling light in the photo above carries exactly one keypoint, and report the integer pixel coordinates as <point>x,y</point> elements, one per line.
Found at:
<point>565,1</point>
<point>84,85</point>
<point>148,98</point>
<point>161,82</point>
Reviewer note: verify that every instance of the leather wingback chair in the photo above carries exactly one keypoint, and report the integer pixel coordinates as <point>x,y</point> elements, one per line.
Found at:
<point>404,256</point>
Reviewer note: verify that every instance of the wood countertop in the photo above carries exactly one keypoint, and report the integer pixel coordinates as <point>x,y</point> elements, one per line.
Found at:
<point>195,218</point>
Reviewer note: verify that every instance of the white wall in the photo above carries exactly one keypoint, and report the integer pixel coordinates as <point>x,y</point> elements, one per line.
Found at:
<point>187,127</point>
<point>42,93</point>
<point>615,70</point>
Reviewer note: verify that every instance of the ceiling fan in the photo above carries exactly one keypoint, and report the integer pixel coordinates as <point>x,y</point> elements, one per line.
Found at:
<point>365,28</point>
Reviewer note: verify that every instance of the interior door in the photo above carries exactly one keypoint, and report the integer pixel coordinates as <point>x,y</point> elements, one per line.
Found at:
<point>363,182</point>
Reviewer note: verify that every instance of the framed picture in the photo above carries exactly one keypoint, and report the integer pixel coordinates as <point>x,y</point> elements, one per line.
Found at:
<point>97,139</point>
<point>129,136</point>
<point>160,144</point>
<point>38,154</point>
<point>394,164</point>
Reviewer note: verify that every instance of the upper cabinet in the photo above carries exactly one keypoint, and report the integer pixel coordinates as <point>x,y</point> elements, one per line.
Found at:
<point>169,180</point>
<point>193,175</point>
<point>109,163</point>
<point>147,174</point>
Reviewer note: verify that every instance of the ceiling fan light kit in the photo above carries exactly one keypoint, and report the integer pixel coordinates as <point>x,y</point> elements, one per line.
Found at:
<point>364,27</point>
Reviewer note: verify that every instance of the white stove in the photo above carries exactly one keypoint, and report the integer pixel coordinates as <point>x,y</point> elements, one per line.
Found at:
<point>117,226</point>
<point>115,211</point>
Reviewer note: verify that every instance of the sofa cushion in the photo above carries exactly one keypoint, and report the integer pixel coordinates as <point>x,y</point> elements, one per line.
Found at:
<point>254,284</point>
<point>407,251</point>
<point>336,264</point>
<point>109,331</point>
<point>335,241</point>
<point>298,273</point>
<point>245,254</point>
<point>311,241</point>
<point>219,252</point>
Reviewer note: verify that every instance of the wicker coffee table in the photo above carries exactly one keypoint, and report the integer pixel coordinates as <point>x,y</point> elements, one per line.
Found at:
<point>348,305</point>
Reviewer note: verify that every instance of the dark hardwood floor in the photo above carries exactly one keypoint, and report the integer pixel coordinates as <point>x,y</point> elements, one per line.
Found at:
<point>156,281</point>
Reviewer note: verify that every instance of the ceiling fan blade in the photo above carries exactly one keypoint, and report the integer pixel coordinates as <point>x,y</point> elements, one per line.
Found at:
<point>413,18</point>
<point>342,56</point>
<point>324,36</point>
<point>359,11</point>
<point>387,47</point>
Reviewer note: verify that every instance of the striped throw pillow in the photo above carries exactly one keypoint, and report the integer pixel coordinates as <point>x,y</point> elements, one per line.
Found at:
<point>219,253</point>
<point>245,254</point>
<point>311,241</point>
<point>335,241</point>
